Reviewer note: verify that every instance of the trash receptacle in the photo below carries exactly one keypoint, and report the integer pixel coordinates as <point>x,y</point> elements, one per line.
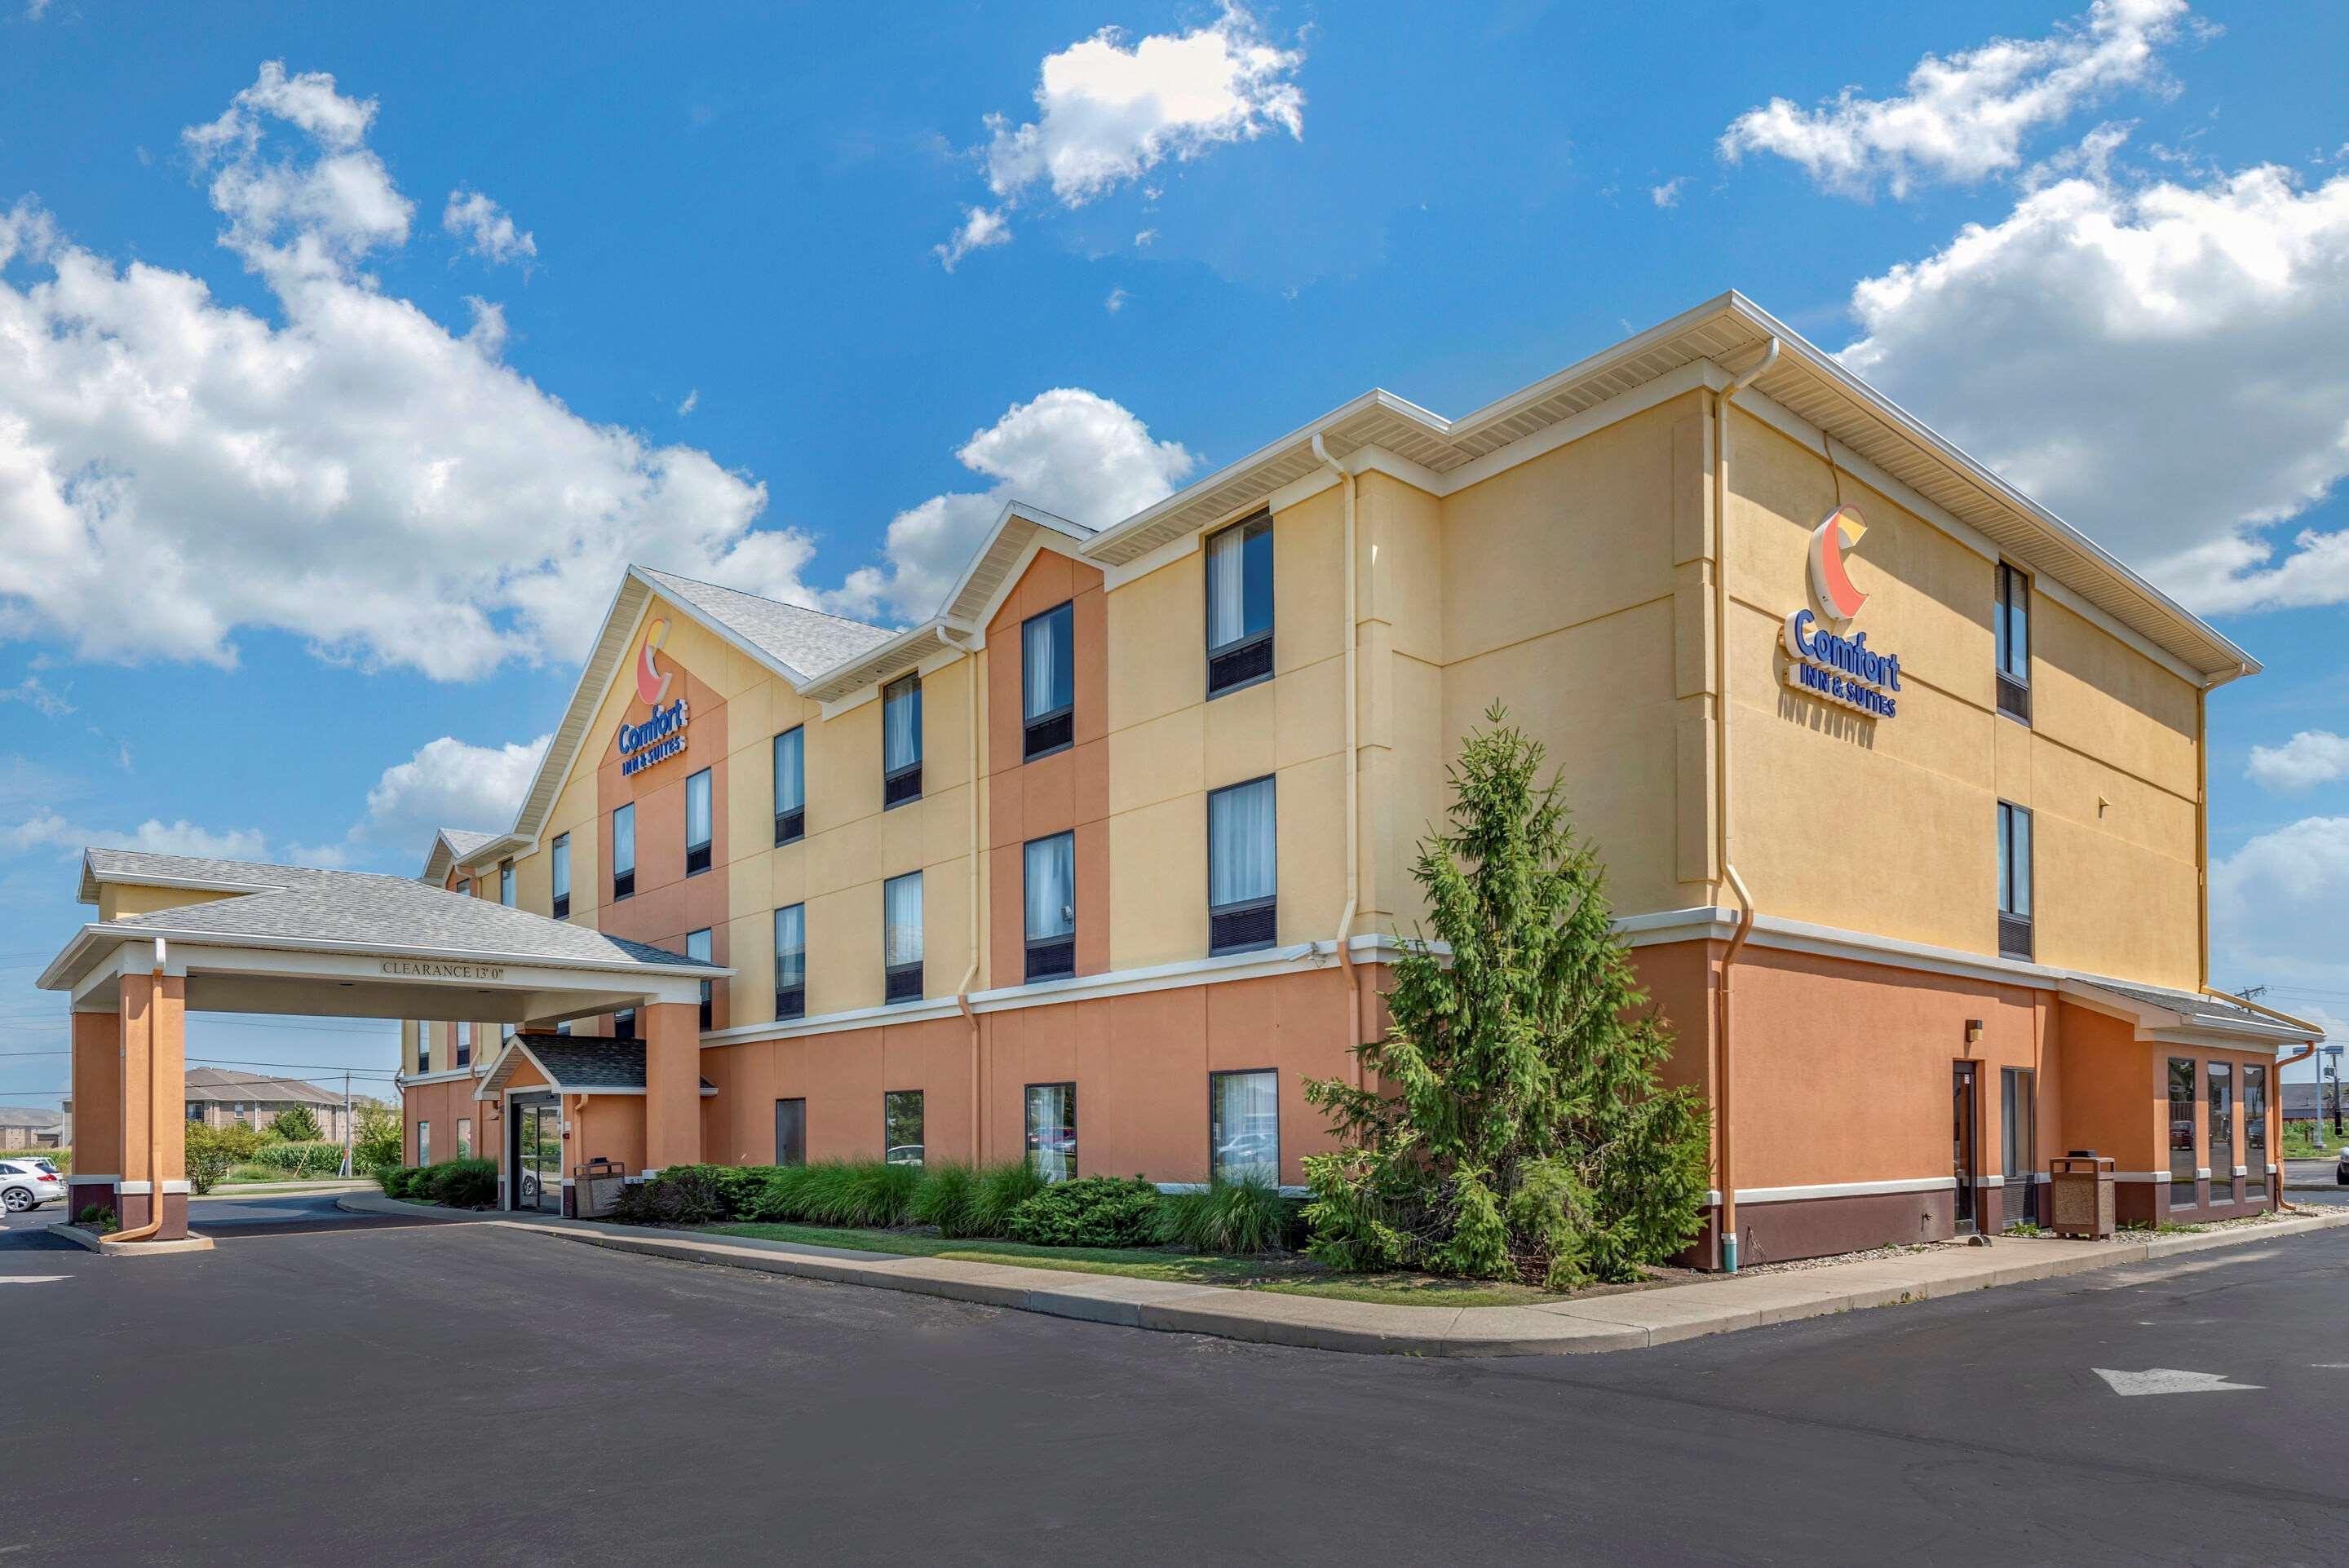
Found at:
<point>2081,1195</point>
<point>595,1188</point>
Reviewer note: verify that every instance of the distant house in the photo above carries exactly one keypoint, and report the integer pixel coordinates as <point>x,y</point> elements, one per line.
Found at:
<point>217,1097</point>
<point>2301,1103</point>
<point>29,1127</point>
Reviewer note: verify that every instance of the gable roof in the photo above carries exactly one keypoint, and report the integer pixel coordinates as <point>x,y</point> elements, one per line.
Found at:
<point>798,640</point>
<point>212,1083</point>
<point>452,847</point>
<point>576,1064</point>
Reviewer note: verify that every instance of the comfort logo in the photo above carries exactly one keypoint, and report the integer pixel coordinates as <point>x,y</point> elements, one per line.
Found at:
<point>1842,530</point>
<point>652,681</point>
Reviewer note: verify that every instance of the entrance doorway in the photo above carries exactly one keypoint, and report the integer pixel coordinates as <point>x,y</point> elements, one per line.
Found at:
<point>537,1145</point>
<point>1964,1152</point>
<point>2018,1095</point>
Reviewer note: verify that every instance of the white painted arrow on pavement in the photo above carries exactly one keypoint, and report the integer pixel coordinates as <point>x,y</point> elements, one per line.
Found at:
<point>2170,1380</point>
<point>31,1279</point>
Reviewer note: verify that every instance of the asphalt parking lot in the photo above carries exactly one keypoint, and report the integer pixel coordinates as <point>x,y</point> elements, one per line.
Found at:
<point>419,1392</point>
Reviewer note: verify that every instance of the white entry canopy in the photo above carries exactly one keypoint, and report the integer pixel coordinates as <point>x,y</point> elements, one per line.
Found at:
<point>253,938</point>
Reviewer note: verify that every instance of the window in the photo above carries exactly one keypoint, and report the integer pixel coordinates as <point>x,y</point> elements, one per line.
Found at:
<point>2255,1132</point>
<point>464,1138</point>
<point>2181,1132</point>
<point>624,1023</point>
<point>2012,624</point>
<point>564,1027</point>
<point>2013,881</point>
<point>696,823</point>
<point>790,1132</point>
<point>791,962</point>
<point>506,1031</point>
<point>1242,874</point>
<point>424,1143</point>
<point>696,947</point>
<point>791,786</point>
<point>1239,605</point>
<point>464,1053</point>
<point>560,864</point>
<point>624,851</point>
<point>506,883</point>
<point>1243,1127</point>
<point>1053,1130</point>
<point>901,1126</point>
<point>2222,1132</point>
<point>901,741</point>
<point>1051,917</point>
<point>423,1047</point>
<point>465,889</point>
<point>901,936</point>
<point>1048,681</point>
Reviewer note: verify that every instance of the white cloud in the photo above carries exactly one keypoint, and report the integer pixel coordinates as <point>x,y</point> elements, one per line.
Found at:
<point>2165,365</point>
<point>1116,301</point>
<point>448,784</point>
<point>352,472</point>
<point>981,227</point>
<point>1668,194</point>
<point>180,837</point>
<point>1108,114</point>
<point>1964,117</point>
<point>692,401</point>
<point>1146,237</point>
<point>2312,757</point>
<point>487,229</point>
<point>1073,453</point>
<point>35,695</point>
<point>2275,909</point>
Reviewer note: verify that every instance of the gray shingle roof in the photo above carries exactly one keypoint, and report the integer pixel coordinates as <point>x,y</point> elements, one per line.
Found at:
<point>590,1061</point>
<point>364,909</point>
<point>212,1083</point>
<point>464,840</point>
<point>807,640</point>
<point>2193,1007</point>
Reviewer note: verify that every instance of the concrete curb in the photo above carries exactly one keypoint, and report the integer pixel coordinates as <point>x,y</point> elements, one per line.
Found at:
<point>235,1190</point>
<point>107,1246</point>
<point>1630,1321</point>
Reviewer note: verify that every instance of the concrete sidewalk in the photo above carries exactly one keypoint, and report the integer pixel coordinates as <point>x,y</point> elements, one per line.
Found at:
<point>1627,1321</point>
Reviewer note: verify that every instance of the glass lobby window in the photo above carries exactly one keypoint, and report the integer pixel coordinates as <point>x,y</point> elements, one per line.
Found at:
<point>901,741</point>
<point>697,822</point>
<point>2013,881</point>
<point>790,1132</point>
<point>791,786</point>
<point>464,1138</point>
<point>559,866</point>
<point>1048,681</point>
<point>1243,872</point>
<point>1051,907</point>
<point>506,883</point>
<point>2222,1132</point>
<point>624,1023</point>
<point>1053,1130</point>
<point>791,962</point>
<point>423,1047</point>
<point>901,1126</point>
<point>1239,605</point>
<point>901,936</point>
<point>464,1056</point>
<point>1244,1126</point>
<point>696,947</point>
<point>2012,624</point>
<point>624,850</point>
<point>2181,1132</point>
<point>2255,1131</point>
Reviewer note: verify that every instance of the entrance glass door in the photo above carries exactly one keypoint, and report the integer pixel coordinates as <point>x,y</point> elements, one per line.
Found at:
<point>538,1158</point>
<point>1963,1148</point>
<point>2019,1139</point>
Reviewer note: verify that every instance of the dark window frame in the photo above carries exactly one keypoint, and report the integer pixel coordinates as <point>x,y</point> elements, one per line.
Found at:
<point>1233,927</point>
<point>509,884</point>
<point>1027,1133</point>
<point>2014,674</point>
<point>790,1002</point>
<point>1055,730</point>
<point>2217,1075</point>
<point>1049,957</point>
<point>708,988</point>
<point>1274,1073</point>
<point>558,875</point>
<point>624,1023</point>
<point>790,826</point>
<point>901,786</point>
<point>921,1114</point>
<point>902,982</point>
<point>698,856</point>
<point>1244,660</point>
<point>801,1102</point>
<point>423,1047</point>
<point>2017,935</point>
<point>624,882</point>
<point>2193,1119</point>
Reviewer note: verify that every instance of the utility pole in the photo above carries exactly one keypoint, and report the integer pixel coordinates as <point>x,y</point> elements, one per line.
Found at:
<point>347,1126</point>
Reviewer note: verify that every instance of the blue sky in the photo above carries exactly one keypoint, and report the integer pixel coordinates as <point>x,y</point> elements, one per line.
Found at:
<point>344,352</point>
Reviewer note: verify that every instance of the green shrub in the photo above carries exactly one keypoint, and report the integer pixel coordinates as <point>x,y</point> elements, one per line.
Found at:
<point>460,1184</point>
<point>294,1124</point>
<point>377,1141</point>
<point>297,1159</point>
<point>1001,1190</point>
<point>233,1139</point>
<point>680,1195</point>
<point>1248,1216</point>
<point>1089,1211</point>
<point>395,1179</point>
<point>100,1218</point>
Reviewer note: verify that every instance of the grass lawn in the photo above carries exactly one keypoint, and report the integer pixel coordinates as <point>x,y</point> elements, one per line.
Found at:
<point>1290,1274</point>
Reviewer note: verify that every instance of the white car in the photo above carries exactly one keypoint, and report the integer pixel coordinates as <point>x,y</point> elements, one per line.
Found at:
<point>25,1186</point>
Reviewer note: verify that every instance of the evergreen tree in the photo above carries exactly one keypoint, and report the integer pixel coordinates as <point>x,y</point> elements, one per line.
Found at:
<point>1514,1125</point>
<point>294,1124</point>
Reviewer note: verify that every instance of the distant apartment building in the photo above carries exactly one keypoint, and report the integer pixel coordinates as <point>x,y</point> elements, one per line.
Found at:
<point>218,1097</point>
<point>26,1127</point>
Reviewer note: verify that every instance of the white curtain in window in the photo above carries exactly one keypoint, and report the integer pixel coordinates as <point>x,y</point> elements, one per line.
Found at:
<point>901,726</point>
<point>696,809</point>
<point>790,947</point>
<point>1052,886</point>
<point>790,772</point>
<point>562,866</point>
<point>1053,1130</point>
<point>1047,658</point>
<point>624,839</point>
<point>900,920</point>
<point>1240,865</point>
<point>1227,586</point>
<point>1246,1115</point>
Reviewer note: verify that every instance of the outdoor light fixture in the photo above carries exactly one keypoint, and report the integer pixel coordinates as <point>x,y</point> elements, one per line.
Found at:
<point>1973,1031</point>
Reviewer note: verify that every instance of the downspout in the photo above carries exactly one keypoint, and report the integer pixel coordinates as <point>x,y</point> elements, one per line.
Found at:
<point>1353,830</point>
<point>962,991</point>
<point>1720,1098</point>
<point>154,1225</point>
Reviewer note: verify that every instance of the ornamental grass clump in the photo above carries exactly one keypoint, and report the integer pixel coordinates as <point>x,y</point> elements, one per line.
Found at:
<point>1246,1215</point>
<point>1515,1126</point>
<point>946,1198</point>
<point>1001,1190</point>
